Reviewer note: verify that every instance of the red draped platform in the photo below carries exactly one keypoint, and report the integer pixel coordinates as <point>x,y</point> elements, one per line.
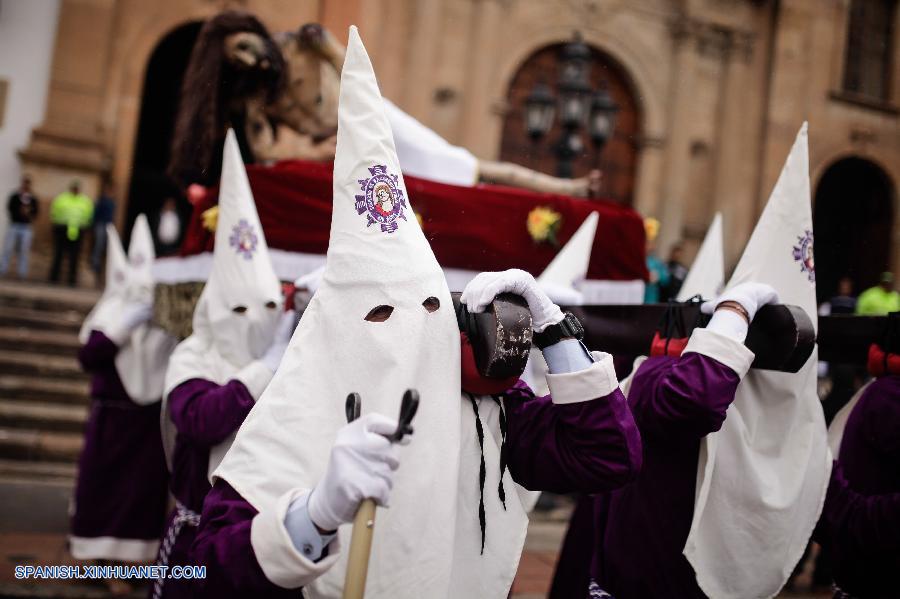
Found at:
<point>470,228</point>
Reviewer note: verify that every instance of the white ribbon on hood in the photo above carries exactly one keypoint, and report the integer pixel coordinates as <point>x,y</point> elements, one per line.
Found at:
<point>237,313</point>
<point>142,359</point>
<point>762,478</point>
<point>428,542</point>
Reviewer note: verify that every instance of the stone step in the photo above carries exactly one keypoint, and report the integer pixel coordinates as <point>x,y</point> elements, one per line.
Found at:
<point>39,446</point>
<point>38,296</point>
<point>28,388</point>
<point>42,416</point>
<point>22,470</point>
<point>68,321</point>
<point>39,365</point>
<point>58,343</point>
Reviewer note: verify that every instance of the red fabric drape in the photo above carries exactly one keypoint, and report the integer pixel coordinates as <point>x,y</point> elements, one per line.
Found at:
<point>476,228</point>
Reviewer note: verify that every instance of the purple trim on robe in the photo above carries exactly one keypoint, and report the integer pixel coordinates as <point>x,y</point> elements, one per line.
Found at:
<point>97,357</point>
<point>587,446</point>
<point>862,530</point>
<point>223,546</point>
<point>583,447</point>
<point>204,414</point>
<point>121,490</point>
<point>639,531</point>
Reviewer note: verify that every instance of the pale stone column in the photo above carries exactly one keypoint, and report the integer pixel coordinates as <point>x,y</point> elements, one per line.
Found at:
<point>674,183</point>
<point>480,128</point>
<point>738,140</point>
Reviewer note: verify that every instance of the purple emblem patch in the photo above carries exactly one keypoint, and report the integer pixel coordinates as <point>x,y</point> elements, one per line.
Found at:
<point>803,253</point>
<point>243,239</point>
<point>382,200</point>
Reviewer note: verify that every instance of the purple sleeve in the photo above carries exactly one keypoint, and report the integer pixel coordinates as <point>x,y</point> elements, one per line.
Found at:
<point>881,420</point>
<point>686,396</point>
<point>223,546</point>
<point>97,353</point>
<point>206,413</point>
<point>587,447</point>
<point>856,522</point>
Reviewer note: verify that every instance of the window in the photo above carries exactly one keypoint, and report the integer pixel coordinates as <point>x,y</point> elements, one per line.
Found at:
<point>869,47</point>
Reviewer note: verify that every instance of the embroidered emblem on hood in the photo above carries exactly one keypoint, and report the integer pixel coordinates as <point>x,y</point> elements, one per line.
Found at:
<point>243,239</point>
<point>803,253</point>
<point>382,201</point>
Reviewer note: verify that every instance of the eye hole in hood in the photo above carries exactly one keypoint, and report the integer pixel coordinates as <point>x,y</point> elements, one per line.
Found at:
<point>379,313</point>
<point>432,304</point>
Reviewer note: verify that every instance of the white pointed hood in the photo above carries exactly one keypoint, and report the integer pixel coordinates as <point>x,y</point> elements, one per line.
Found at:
<point>143,357</point>
<point>770,461</point>
<point>377,256</point>
<point>570,265</point>
<point>707,275</point>
<point>107,311</point>
<point>237,313</point>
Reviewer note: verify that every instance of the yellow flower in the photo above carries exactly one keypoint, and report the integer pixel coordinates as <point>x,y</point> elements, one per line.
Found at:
<point>651,228</point>
<point>543,224</point>
<point>210,218</point>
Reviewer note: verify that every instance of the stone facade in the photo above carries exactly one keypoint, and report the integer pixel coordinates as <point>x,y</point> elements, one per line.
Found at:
<point>721,87</point>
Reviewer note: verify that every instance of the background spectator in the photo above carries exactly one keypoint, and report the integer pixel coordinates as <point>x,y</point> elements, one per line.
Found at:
<point>168,228</point>
<point>104,210</point>
<point>70,213</point>
<point>23,208</point>
<point>881,299</point>
<point>677,274</point>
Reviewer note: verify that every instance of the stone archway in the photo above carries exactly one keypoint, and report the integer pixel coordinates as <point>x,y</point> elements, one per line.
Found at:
<point>149,185</point>
<point>618,160</point>
<point>853,218</point>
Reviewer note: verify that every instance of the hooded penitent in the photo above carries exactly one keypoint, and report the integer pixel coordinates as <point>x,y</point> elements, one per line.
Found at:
<point>762,477</point>
<point>428,542</point>
<point>238,310</point>
<point>707,275</point>
<point>142,359</point>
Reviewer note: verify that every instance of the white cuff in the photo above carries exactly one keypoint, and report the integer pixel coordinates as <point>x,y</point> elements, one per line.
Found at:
<point>117,334</point>
<point>256,377</point>
<point>279,559</point>
<point>597,380</point>
<point>729,323</point>
<point>721,348</point>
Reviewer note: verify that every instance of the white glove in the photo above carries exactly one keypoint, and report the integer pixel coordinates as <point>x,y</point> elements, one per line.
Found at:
<point>283,333</point>
<point>361,466</point>
<point>751,296</point>
<point>482,290</point>
<point>133,315</point>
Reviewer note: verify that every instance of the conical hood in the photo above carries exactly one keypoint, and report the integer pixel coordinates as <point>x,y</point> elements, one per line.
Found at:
<point>380,322</point>
<point>770,460</point>
<point>107,309</point>
<point>570,265</point>
<point>140,259</point>
<point>780,251</point>
<point>707,275</point>
<point>238,308</point>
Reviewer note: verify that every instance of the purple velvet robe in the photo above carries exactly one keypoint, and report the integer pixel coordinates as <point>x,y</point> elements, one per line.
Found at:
<point>121,488</point>
<point>204,414</point>
<point>585,447</point>
<point>866,546</point>
<point>630,541</point>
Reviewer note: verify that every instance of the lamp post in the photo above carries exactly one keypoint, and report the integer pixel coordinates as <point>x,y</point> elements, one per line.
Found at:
<point>579,106</point>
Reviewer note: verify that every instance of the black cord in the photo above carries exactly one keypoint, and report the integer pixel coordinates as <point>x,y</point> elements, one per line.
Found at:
<point>482,475</point>
<point>498,399</point>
